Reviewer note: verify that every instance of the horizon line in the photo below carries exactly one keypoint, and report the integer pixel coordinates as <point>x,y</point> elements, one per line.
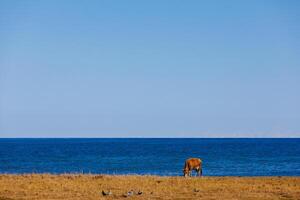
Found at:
<point>149,137</point>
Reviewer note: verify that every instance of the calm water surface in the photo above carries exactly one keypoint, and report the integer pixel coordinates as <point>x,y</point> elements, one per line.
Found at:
<point>222,157</point>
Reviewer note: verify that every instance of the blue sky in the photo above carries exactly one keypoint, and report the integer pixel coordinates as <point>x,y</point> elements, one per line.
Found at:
<point>149,68</point>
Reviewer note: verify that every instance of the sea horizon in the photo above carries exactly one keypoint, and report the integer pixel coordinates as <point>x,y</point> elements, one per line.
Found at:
<point>292,137</point>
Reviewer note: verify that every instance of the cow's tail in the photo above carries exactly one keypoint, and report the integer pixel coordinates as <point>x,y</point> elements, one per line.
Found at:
<point>200,167</point>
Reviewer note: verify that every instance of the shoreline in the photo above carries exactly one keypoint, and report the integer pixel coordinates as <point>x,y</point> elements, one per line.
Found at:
<point>145,175</point>
<point>90,186</point>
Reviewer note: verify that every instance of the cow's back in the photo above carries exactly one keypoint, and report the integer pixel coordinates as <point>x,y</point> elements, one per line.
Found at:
<point>193,162</point>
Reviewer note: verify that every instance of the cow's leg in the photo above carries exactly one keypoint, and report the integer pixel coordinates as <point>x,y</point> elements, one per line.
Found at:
<point>198,172</point>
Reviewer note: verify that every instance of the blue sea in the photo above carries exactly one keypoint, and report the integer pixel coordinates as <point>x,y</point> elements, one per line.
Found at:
<point>221,157</point>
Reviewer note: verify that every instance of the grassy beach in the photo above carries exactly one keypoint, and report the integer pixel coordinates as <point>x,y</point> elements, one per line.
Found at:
<point>45,186</point>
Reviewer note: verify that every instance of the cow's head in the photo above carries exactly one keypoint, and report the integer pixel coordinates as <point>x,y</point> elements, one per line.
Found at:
<point>185,172</point>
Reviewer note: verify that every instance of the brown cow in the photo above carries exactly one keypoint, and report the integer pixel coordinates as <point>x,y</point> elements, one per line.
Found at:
<point>192,164</point>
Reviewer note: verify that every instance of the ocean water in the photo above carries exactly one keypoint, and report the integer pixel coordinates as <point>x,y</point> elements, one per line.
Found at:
<point>221,157</point>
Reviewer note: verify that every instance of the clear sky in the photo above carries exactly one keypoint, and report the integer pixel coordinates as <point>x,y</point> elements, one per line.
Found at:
<point>149,68</point>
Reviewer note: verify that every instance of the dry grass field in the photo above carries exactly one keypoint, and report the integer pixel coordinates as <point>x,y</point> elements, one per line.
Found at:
<point>44,186</point>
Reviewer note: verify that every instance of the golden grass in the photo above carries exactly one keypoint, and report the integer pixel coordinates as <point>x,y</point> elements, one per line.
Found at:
<point>46,186</point>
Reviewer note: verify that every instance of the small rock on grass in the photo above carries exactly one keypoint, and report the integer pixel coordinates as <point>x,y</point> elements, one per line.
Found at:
<point>131,193</point>
<point>106,193</point>
<point>128,194</point>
